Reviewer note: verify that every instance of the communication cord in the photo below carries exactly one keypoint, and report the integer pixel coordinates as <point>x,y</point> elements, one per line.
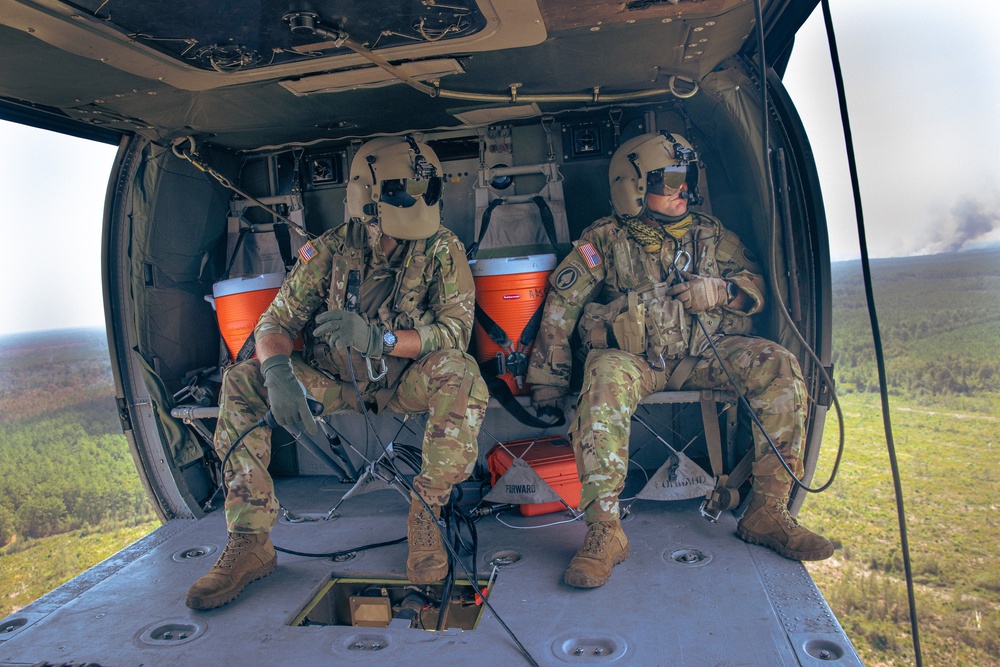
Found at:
<point>453,554</point>
<point>268,420</point>
<point>772,212</point>
<point>876,334</point>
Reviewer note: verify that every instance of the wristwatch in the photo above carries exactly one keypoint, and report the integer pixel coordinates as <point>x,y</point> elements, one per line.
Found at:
<point>388,341</point>
<point>732,291</point>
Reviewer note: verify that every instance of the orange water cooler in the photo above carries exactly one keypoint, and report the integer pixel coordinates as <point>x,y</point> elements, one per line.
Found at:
<point>509,290</point>
<point>239,303</point>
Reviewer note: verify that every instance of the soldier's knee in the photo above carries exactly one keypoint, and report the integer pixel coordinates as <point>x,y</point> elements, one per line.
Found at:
<point>609,370</point>
<point>241,376</point>
<point>446,370</point>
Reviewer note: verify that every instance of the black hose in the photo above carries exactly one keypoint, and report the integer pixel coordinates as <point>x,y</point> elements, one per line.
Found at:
<point>765,128</point>
<point>876,335</point>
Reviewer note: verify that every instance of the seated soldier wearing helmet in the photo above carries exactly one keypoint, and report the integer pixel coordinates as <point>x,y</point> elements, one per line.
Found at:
<point>631,287</point>
<point>388,291</point>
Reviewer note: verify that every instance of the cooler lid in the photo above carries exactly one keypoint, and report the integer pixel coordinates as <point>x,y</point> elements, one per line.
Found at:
<point>502,266</point>
<point>251,284</point>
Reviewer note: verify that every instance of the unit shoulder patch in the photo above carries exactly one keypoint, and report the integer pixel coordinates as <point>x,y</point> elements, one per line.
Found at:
<point>566,278</point>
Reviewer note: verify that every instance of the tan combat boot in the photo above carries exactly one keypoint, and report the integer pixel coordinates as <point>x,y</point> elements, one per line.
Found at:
<point>768,522</point>
<point>247,557</point>
<point>604,547</point>
<point>427,560</point>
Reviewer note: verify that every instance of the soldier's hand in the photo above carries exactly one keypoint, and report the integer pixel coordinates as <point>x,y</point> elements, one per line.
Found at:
<point>545,398</point>
<point>699,293</point>
<point>286,397</point>
<point>340,329</point>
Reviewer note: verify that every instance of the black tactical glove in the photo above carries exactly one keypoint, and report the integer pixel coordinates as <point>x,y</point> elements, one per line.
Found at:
<point>340,329</point>
<point>699,293</point>
<point>285,395</point>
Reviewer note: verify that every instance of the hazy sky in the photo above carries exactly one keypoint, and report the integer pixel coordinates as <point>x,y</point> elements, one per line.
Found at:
<point>52,187</point>
<point>923,91</point>
<point>923,94</point>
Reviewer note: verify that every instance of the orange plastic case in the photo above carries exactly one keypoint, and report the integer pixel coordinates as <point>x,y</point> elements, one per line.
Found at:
<point>552,458</point>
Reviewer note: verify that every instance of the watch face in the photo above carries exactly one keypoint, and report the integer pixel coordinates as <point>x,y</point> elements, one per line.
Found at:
<point>389,338</point>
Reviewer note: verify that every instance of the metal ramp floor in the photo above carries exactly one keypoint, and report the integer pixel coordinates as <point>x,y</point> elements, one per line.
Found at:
<point>691,594</point>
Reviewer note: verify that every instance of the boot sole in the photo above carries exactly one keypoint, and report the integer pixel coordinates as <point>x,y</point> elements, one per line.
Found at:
<point>774,545</point>
<point>228,596</point>
<point>595,582</point>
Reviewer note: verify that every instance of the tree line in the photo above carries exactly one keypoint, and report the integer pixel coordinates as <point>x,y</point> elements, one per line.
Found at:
<point>939,319</point>
<point>64,462</point>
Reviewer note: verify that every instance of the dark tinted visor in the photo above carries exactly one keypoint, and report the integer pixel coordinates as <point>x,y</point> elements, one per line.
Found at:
<point>403,192</point>
<point>666,181</point>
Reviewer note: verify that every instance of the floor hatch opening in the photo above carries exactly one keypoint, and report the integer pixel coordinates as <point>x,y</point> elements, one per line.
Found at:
<point>392,603</point>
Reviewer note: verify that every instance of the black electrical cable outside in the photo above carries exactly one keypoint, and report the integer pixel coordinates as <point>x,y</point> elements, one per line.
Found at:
<point>876,335</point>
<point>765,127</point>
<point>452,553</point>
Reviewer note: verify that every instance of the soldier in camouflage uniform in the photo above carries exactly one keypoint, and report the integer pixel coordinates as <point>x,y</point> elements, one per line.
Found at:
<point>631,288</point>
<point>390,296</point>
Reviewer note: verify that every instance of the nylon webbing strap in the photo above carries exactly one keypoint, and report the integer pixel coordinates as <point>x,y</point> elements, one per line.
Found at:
<point>284,240</point>
<point>492,329</point>
<point>247,350</point>
<point>500,337</point>
<point>531,328</point>
<point>681,373</point>
<point>713,438</point>
<point>500,391</point>
<point>548,223</point>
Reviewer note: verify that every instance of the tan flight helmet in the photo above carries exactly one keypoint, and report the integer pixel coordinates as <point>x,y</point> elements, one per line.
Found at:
<point>397,181</point>
<point>659,162</point>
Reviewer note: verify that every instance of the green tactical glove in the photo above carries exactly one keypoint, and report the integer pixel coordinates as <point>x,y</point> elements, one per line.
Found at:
<point>699,293</point>
<point>546,397</point>
<point>340,329</point>
<point>285,395</point>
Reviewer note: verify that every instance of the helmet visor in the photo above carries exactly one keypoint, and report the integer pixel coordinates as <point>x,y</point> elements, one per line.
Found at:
<point>666,181</point>
<point>404,192</point>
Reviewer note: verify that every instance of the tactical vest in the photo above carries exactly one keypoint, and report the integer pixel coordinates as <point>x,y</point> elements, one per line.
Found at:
<point>399,304</point>
<point>633,311</point>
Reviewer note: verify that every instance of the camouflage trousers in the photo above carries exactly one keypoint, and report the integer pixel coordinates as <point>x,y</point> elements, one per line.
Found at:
<point>615,381</point>
<point>445,384</point>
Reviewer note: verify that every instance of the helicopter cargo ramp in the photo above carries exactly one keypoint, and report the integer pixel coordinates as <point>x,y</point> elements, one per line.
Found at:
<point>690,594</point>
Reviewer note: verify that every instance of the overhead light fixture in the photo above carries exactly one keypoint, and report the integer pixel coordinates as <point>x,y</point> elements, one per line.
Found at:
<point>489,115</point>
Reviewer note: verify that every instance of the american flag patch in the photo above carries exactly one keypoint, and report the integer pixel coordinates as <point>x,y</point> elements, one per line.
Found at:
<point>590,255</point>
<point>307,251</point>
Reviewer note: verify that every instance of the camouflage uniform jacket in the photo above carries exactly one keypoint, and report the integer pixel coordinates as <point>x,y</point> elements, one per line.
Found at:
<point>591,291</point>
<point>426,286</point>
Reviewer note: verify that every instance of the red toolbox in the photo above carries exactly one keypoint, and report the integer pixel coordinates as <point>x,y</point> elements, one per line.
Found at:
<point>552,458</point>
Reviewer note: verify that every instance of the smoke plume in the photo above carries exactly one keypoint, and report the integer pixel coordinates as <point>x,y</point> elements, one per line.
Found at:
<point>967,222</point>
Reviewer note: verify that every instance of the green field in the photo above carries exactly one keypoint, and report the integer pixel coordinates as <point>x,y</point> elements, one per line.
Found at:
<point>950,469</point>
<point>940,318</point>
<point>940,323</point>
<point>33,567</point>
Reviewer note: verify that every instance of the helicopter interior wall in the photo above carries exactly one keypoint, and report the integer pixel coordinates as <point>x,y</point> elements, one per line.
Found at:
<point>177,328</point>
